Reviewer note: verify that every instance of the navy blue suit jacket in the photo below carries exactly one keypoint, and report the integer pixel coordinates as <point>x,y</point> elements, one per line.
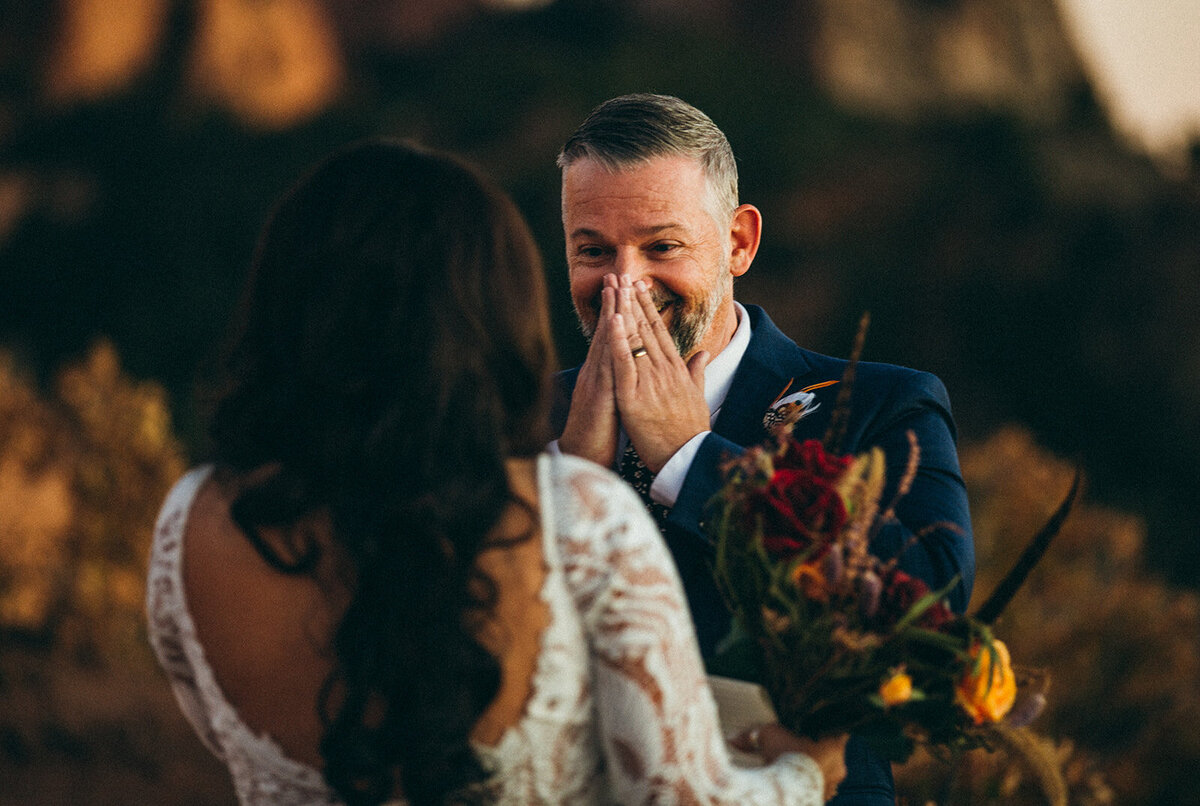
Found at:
<point>887,402</point>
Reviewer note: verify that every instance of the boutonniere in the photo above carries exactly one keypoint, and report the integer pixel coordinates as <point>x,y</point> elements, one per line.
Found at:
<point>793,407</point>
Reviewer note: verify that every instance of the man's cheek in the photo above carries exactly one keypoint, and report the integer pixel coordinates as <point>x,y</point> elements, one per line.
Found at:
<point>586,294</point>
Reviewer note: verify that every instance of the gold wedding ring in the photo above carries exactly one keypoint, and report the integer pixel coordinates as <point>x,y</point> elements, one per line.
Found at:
<point>638,352</point>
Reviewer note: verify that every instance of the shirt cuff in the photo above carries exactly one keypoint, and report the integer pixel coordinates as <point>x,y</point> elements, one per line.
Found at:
<point>667,484</point>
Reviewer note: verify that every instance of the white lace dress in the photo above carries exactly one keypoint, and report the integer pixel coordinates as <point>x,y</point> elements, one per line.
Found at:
<point>620,711</point>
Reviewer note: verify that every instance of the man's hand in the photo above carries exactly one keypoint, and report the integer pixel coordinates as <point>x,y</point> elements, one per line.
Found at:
<point>659,397</point>
<point>591,429</point>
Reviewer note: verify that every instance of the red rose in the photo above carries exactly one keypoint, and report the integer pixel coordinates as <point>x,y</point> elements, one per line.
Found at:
<point>797,508</point>
<point>800,504</point>
<point>936,616</point>
<point>810,455</point>
<point>901,592</point>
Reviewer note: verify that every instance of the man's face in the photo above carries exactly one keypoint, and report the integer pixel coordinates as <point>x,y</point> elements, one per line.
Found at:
<point>653,221</point>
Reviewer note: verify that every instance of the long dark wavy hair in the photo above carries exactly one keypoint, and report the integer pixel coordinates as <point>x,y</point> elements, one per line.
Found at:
<point>392,351</point>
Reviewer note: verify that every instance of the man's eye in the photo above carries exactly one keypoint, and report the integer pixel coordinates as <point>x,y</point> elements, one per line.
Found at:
<point>663,248</point>
<point>591,252</point>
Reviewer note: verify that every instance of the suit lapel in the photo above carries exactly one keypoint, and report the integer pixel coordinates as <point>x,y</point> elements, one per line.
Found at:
<point>771,360</point>
<point>754,387</point>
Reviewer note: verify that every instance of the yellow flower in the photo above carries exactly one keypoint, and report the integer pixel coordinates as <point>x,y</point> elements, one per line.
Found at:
<point>811,581</point>
<point>985,692</point>
<point>897,689</point>
<point>775,621</point>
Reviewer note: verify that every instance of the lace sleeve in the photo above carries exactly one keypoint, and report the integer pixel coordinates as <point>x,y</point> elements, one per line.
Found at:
<point>658,721</point>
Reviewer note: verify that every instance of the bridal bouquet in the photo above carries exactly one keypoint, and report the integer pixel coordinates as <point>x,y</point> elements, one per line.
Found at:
<point>844,641</point>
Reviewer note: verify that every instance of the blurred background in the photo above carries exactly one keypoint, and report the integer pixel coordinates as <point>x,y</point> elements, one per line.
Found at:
<point>1011,187</point>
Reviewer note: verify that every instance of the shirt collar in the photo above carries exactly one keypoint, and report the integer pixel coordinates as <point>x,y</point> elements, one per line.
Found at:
<point>718,375</point>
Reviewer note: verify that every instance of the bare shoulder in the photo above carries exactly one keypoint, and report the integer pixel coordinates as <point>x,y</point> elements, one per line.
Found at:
<point>230,586</point>
<point>219,560</point>
<point>265,634</point>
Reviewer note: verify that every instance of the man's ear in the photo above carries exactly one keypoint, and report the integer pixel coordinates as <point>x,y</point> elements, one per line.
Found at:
<point>745,232</point>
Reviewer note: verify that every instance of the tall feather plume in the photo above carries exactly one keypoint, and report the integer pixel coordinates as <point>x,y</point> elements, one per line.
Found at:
<point>991,609</point>
<point>836,433</point>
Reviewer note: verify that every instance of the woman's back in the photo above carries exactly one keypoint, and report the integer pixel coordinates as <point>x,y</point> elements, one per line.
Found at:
<point>613,706</point>
<point>390,361</point>
<point>267,635</point>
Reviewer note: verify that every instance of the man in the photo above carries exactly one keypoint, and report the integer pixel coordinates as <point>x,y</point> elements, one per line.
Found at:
<point>686,376</point>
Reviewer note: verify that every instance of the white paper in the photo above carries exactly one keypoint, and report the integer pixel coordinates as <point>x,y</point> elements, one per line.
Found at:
<point>741,705</point>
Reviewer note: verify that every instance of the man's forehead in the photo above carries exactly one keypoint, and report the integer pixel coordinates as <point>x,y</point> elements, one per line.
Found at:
<point>655,193</point>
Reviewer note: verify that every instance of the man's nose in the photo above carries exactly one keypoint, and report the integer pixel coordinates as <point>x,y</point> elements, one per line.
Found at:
<point>630,263</point>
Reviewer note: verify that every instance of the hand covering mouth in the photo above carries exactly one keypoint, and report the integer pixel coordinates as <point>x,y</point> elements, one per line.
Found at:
<point>660,298</point>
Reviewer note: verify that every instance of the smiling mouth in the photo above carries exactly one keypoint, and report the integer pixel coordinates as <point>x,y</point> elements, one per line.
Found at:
<point>664,303</point>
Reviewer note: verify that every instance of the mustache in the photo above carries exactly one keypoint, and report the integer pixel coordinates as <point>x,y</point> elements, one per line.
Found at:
<point>589,315</point>
<point>660,297</point>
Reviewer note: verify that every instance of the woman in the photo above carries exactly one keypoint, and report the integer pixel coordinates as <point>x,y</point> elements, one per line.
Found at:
<point>379,589</point>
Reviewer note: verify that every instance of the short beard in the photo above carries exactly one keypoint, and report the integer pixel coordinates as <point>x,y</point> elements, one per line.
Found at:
<point>691,326</point>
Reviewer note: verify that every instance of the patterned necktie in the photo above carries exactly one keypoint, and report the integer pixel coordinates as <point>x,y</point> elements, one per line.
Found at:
<point>635,472</point>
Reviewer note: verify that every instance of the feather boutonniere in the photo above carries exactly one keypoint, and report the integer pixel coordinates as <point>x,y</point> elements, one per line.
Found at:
<point>790,408</point>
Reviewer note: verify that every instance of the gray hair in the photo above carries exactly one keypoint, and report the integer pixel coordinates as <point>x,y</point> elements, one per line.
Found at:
<point>639,127</point>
